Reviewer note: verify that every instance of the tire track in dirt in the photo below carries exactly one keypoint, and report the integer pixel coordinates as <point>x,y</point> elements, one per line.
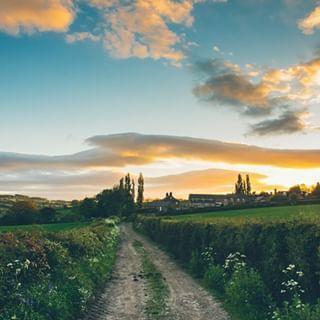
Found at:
<point>187,299</point>
<point>125,295</point>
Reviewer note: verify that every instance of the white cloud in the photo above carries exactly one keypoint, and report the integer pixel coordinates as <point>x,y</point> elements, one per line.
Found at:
<point>81,36</point>
<point>216,49</point>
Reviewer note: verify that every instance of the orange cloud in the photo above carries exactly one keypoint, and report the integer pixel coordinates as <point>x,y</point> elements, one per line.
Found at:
<point>310,22</point>
<point>140,29</point>
<point>133,148</point>
<point>35,15</point>
<point>102,165</point>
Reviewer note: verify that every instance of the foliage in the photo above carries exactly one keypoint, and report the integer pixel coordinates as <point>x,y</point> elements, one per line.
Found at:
<point>53,275</point>
<point>243,186</point>
<point>246,291</point>
<point>268,245</point>
<point>88,208</point>
<point>115,202</point>
<point>214,278</point>
<point>316,190</point>
<point>297,311</point>
<point>22,212</point>
<point>140,196</point>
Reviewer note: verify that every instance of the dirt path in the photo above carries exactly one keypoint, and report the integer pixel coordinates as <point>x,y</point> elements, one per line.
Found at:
<point>125,296</point>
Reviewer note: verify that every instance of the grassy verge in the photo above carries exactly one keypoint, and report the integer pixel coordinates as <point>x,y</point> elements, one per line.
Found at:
<point>158,290</point>
<point>54,275</point>
<point>52,227</point>
<point>247,261</point>
<point>268,213</point>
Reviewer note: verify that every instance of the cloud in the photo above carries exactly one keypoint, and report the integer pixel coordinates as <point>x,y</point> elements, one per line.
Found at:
<point>17,16</point>
<point>127,149</point>
<point>289,122</point>
<point>216,49</point>
<point>310,22</point>
<point>143,28</point>
<point>144,149</point>
<point>225,83</point>
<point>81,36</point>
<point>127,28</point>
<point>253,92</point>
<point>110,156</point>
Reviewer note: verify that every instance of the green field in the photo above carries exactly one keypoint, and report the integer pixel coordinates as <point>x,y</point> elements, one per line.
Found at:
<point>54,227</point>
<point>256,213</point>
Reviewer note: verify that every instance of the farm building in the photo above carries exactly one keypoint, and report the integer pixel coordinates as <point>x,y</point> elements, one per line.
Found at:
<point>169,202</point>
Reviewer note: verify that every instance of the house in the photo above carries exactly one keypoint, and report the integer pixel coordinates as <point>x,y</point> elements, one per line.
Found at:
<point>209,200</point>
<point>168,203</point>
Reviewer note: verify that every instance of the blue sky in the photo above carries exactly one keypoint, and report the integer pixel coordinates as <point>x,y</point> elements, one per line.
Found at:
<point>57,91</point>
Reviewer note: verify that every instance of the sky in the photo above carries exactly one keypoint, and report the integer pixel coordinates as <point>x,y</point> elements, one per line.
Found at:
<point>188,92</point>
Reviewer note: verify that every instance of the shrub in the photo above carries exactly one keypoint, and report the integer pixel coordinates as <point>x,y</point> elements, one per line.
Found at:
<point>46,276</point>
<point>268,246</point>
<point>196,266</point>
<point>297,311</point>
<point>214,278</point>
<point>247,292</point>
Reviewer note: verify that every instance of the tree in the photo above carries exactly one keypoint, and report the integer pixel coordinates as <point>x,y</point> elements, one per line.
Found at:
<point>240,186</point>
<point>47,215</point>
<point>248,185</point>
<point>133,191</point>
<point>316,190</point>
<point>23,212</point>
<point>295,190</point>
<point>140,196</point>
<point>121,184</point>
<point>115,202</point>
<point>88,208</point>
<point>118,201</point>
<point>127,183</point>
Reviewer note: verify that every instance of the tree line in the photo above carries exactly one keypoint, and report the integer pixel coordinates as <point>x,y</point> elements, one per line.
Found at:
<point>243,186</point>
<point>122,200</point>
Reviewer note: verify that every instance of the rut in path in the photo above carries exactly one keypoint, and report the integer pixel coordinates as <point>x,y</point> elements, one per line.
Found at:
<point>125,295</point>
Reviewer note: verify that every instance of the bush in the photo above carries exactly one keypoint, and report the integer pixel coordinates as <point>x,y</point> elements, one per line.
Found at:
<point>268,246</point>
<point>196,265</point>
<point>214,278</point>
<point>46,276</point>
<point>247,292</point>
<point>297,311</point>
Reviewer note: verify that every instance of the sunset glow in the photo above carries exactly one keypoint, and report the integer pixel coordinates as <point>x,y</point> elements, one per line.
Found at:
<point>189,92</point>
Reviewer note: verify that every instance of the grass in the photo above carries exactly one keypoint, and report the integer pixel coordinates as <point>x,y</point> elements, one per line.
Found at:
<point>158,290</point>
<point>54,227</point>
<point>271,213</point>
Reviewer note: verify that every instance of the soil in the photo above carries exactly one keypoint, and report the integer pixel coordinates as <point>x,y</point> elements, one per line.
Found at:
<point>125,295</point>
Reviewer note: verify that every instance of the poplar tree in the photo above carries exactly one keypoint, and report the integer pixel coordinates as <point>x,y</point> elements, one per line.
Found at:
<point>140,197</point>
<point>248,185</point>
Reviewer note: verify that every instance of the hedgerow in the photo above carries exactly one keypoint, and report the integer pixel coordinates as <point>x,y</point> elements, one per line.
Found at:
<point>269,247</point>
<point>54,275</point>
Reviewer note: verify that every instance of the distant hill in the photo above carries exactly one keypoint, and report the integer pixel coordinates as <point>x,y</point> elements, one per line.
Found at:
<point>7,201</point>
